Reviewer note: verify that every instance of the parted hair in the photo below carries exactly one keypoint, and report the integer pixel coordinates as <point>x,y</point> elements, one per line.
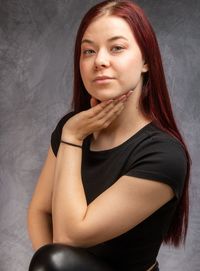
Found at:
<point>154,100</point>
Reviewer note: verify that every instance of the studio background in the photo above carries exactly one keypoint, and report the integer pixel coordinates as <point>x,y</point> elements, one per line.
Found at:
<point>36,70</point>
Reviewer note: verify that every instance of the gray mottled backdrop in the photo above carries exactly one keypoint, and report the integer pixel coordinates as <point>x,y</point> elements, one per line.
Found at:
<point>36,49</point>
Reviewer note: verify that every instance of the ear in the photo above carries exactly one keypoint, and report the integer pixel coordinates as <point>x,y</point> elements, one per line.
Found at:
<point>145,67</point>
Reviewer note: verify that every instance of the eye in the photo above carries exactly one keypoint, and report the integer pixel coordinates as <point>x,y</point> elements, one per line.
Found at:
<point>88,52</point>
<point>117,48</point>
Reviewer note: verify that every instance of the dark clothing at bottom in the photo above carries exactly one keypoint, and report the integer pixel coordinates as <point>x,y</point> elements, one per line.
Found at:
<point>59,257</point>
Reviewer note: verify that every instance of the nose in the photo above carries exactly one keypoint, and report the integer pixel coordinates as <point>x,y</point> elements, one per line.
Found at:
<point>101,60</point>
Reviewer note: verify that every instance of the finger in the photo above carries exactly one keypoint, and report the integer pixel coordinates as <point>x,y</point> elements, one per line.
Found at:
<point>100,110</point>
<point>94,111</point>
<point>112,117</point>
<point>129,93</point>
<point>107,115</point>
<point>114,110</point>
<point>112,106</point>
<point>111,114</point>
<point>105,111</point>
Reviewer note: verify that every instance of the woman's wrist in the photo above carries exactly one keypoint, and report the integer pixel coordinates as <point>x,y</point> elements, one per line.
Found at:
<point>72,140</point>
<point>70,144</point>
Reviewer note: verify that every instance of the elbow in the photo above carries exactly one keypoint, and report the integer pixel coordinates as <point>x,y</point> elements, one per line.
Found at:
<point>58,239</point>
<point>77,236</point>
<point>72,241</point>
<point>69,242</point>
<point>62,237</point>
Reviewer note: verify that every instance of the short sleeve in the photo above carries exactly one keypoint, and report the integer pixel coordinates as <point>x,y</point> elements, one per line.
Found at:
<point>56,134</point>
<point>160,160</point>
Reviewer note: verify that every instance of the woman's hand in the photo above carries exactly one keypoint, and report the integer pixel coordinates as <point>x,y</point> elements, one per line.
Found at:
<point>98,117</point>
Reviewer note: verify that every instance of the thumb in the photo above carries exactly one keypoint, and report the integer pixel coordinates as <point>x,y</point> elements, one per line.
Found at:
<point>93,102</point>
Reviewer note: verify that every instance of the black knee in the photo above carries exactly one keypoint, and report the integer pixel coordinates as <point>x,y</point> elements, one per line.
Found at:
<point>60,257</point>
<point>51,257</point>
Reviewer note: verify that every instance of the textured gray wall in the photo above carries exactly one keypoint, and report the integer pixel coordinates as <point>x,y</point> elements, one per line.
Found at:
<point>36,49</point>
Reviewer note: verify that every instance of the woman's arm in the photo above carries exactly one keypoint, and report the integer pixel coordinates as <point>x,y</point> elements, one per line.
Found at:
<point>40,228</point>
<point>69,203</point>
<point>121,207</point>
<point>39,217</point>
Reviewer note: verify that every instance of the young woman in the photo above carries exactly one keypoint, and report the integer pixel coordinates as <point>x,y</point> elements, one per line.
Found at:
<point>115,182</point>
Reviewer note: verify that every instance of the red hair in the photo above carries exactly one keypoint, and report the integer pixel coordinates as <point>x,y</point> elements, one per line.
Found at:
<point>154,101</point>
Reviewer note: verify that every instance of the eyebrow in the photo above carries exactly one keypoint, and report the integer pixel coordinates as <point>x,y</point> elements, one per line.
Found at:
<point>110,39</point>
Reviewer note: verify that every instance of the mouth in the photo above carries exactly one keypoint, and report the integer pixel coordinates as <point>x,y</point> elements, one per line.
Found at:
<point>103,79</point>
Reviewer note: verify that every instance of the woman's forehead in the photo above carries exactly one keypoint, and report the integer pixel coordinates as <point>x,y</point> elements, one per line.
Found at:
<point>107,27</point>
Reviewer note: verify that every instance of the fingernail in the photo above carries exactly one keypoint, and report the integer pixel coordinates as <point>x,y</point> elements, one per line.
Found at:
<point>122,98</point>
<point>109,101</point>
<point>130,92</point>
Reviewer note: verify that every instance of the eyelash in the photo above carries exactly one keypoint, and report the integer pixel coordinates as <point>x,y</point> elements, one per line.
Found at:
<point>119,47</point>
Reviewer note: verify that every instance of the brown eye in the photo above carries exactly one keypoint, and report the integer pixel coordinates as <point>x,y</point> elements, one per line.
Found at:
<point>88,52</point>
<point>117,48</point>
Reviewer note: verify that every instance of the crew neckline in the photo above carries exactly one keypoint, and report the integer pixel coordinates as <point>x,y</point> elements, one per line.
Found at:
<point>143,129</point>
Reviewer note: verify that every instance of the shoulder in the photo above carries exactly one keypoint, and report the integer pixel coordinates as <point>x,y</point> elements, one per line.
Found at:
<point>56,134</point>
<point>64,119</point>
<point>155,140</point>
<point>161,157</point>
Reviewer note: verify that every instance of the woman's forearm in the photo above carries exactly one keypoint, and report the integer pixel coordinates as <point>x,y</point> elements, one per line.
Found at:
<point>40,228</point>
<point>69,203</point>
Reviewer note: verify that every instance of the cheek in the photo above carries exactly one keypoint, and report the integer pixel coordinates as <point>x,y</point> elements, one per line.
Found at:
<point>130,67</point>
<point>83,74</point>
<point>84,71</point>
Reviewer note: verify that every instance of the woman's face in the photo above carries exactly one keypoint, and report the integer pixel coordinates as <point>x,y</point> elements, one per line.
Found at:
<point>109,49</point>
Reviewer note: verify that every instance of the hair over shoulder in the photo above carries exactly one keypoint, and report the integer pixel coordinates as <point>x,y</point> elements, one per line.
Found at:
<point>154,101</point>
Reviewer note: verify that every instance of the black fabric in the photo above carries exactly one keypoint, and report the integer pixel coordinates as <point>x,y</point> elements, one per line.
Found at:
<point>59,257</point>
<point>149,154</point>
<point>56,135</point>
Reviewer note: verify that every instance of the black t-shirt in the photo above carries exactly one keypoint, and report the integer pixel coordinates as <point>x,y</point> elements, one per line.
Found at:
<point>149,154</point>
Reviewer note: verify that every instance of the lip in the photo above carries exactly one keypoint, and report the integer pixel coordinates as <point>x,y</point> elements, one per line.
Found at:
<point>101,79</point>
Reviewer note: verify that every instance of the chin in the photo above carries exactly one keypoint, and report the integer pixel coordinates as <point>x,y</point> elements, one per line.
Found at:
<point>107,94</point>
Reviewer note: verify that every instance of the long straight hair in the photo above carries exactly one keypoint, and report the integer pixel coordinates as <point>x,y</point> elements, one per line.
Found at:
<point>154,100</point>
